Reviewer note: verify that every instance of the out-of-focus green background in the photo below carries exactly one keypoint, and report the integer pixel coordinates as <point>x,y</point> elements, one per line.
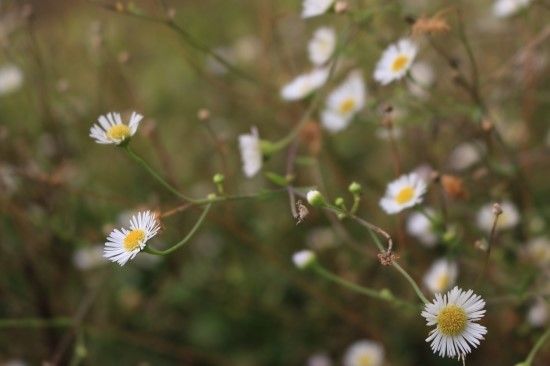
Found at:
<point>232,296</point>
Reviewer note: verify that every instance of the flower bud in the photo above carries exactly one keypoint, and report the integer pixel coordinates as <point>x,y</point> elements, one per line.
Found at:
<point>339,202</point>
<point>315,198</point>
<point>355,188</point>
<point>303,259</point>
<point>218,178</point>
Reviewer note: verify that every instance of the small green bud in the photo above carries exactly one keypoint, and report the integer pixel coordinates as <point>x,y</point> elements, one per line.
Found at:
<point>341,216</point>
<point>315,198</point>
<point>339,202</point>
<point>355,188</point>
<point>386,294</point>
<point>218,178</point>
<point>211,196</point>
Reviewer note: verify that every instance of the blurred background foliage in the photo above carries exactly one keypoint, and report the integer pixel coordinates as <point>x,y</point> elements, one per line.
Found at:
<point>232,296</point>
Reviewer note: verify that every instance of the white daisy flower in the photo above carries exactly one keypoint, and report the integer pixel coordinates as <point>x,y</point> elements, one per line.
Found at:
<point>303,258</point>
<point>305,84</point>
<point>319,359</point>
<point>507,219</point>
<point>312,8</point>
<point>441,276</point>
<point>506,8</point>
<point>404,192</point>
<point>455,316</point>
<point>111,130</point>
<point>364,353</point>
<point>537,315</point>
<point>344,102</point>
<point>11,79</point>
<point>465,155</point>
<point>123,244</point>
<point>251,152</point>
<point>321,46</point>
<point>538,250</point>
<point>395,61</point>
<point>419,226</point>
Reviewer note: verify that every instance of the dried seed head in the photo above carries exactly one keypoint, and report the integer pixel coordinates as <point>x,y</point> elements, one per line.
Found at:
<point>341,7</point>
<point>430,25</point>
<point>301,213</point>
<point>387,258</point>
<point>203,114</point>
<point>453,186</point>
<point>497,209</point>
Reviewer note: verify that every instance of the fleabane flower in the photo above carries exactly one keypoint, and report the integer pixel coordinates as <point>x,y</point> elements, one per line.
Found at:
<point>455,317</point>
<point>364,353</point>
<point>111,130</point>
<point>507,219</point>
<point>506,8</point>
<point>538,250</point>
<point>419,226</point>
<point>344,102</point>
<point>251,152</point>
<point>305,84</point>
<point>123,244</point>
<point>303,258</point>
<point>313,8</point>
<point>395,61</point>
<point>404,192</point>
<point>321,46</point>
<point>441,276</point>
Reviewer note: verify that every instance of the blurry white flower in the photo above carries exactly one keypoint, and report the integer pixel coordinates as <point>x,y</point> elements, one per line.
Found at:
<point>312,8</point>
<point>319,359</point>
<point>441,276</point>
<point>89,257</point>
<point>465,155</point>
<point>344,102</point>
<point>507,219</point>
<point>321,46</point>
<point>455,316</point>
<point>505,8</point>
<point>395,61</point>
<point>364,353</point>
<point>321,238</point>
<point>251,152</point>
<point>423,77</point>
<point>303,258</point>
<point>538,250</point>
<point>305,84</point>
<point>384,134</point>
<point>247,48</point>
<point>123,244</point>
<point>11,79</point>
<point>111,130</point>
<point>419,226</point>
<point>537,315</point>
<point>406,191</point>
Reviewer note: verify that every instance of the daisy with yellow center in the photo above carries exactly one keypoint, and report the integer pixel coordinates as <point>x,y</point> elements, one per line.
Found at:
<point>111,130</point>
<point>364,353</point>
<point>455,316</point>
<point>344,102</point>
<point>441,276</point>
<point>123,244</point>
<point>395,61</point>
<point>405,192</point>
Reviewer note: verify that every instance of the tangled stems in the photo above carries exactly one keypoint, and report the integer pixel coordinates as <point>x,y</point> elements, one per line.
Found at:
<point>543,338</point>
<point>154,174</point>
<point>384,295</point>
<point>184,240</point>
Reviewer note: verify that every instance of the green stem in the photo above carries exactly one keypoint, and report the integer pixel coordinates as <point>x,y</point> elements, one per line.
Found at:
<point>543,338</point>
<point>156,175</point>
<point>411,282</point>
<point>184,240</point>
<point>379,295</point>
<point>36,323</point>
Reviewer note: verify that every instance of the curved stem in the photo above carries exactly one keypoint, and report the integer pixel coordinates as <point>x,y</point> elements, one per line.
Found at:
<point>184,240</point>
<point>537,347</point>
<point>379,295</point>
<point>156,175</point>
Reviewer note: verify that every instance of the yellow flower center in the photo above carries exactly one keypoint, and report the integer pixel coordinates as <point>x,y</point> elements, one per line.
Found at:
<point>451,320</point>
<point>364,360</point>
<point>399,63</point>
<point>347,106</point>
<point>133,239</point>
<point>118,132</point>
<point>404,195</point>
